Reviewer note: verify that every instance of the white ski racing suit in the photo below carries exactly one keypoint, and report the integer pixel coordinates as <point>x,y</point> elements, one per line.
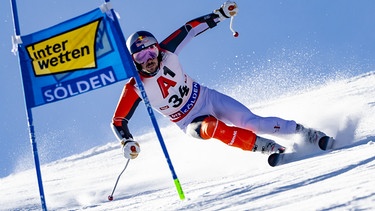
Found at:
<point>176,95</point>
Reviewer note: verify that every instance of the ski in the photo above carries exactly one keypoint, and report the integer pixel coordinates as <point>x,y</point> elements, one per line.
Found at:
<point>278,159</point>
<point>325,143</point>
<point>275,159</point>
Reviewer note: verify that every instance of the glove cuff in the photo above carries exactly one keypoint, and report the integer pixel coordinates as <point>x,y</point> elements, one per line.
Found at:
<point>221,10</point>
<point>124,141</point>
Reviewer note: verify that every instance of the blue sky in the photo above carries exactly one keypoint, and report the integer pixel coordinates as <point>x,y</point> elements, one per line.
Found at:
<point>312,38</point>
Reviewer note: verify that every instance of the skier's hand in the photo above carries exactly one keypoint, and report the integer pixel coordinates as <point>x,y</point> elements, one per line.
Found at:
<point>130,148</point>
<point>227,10</point>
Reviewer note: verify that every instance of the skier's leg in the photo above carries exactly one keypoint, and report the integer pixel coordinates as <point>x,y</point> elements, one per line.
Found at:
<point>228,109</point>
<point>206,127</point>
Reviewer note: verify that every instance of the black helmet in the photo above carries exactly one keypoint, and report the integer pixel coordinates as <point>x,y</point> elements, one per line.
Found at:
<point>140,40</point>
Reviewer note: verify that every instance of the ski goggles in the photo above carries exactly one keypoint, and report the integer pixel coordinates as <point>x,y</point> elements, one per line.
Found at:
<point>151,52</point>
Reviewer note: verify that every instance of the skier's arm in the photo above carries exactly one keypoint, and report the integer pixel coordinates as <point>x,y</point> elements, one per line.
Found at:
<point>126,106</point>
<point>178,39</point>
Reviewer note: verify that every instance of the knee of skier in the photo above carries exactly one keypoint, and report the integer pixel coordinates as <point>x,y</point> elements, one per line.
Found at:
<point>202,127</point>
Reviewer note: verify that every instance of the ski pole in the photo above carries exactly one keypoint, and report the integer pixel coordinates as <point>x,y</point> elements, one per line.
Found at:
<point>231,8</point>
<point>110,197</point>
<point>235,34</point>
<point>127,60</point>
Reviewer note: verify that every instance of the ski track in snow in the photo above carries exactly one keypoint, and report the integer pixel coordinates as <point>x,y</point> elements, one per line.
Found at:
<point>217,177</point>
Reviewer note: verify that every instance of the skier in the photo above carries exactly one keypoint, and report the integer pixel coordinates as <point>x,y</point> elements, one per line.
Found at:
<point>199,111</point>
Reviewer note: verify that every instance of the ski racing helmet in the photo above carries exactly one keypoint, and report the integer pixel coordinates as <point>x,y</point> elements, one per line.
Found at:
<point>140,40</point>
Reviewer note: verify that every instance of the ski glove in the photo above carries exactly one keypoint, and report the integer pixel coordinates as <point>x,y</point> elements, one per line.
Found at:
<point>227,10</point>
<point>130,148</point>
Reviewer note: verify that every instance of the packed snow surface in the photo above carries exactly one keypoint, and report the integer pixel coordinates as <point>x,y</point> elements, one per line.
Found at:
<point>218,177</point>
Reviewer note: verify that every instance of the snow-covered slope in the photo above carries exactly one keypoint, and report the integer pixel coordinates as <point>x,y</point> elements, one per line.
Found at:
<point>217,177</point>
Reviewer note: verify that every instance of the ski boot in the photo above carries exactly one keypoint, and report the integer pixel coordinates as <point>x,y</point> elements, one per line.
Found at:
<point>267,146</point>
<point>315,137</point>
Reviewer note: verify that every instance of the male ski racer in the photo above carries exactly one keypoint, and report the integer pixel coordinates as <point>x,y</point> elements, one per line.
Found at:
<point>199,111</point>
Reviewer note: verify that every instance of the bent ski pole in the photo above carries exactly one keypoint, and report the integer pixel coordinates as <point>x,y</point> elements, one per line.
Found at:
<point>110,197</point>
<point>235,33</point>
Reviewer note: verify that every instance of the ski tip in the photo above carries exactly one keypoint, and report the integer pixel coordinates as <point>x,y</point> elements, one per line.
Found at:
<point>326,143</point>
<point>274,159</point>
